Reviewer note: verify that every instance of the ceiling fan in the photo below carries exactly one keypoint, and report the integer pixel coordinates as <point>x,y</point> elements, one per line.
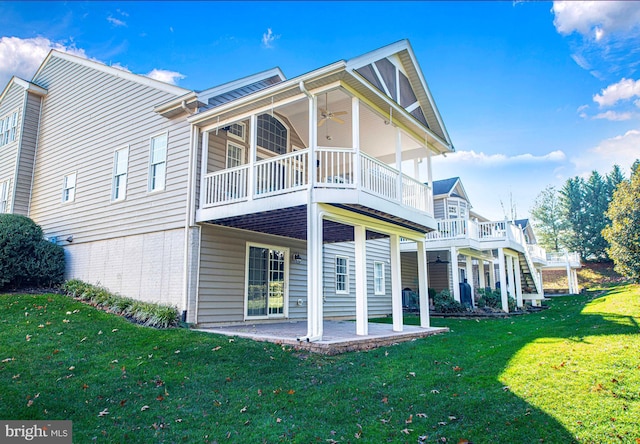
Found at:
<point>439,261</point>
<point>325,114</point>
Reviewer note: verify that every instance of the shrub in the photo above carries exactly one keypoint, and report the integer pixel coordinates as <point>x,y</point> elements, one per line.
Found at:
<point>26,258</point>
<point>493,299</point>
<point>444,303</point>
<point>146,313</point>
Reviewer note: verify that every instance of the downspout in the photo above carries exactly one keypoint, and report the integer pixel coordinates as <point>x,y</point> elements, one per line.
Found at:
<point>304,90</point>
<point>189,220</point>
<point>183,105</point>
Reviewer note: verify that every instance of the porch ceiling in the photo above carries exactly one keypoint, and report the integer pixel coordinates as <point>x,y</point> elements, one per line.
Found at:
<point>291,222</point>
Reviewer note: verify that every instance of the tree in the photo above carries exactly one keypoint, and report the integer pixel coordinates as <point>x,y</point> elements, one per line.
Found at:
<point>572,197</point>
<point>548,219</point>
<point>596,195</point>
<point>623,234</point>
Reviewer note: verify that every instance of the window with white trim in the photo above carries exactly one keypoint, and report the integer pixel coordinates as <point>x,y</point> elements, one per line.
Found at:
<point>69,187</point>
<point>158,162</point>
<point>237,130</point>
<point>120,164</point>
<point>8,128</point>
<point>342,274</point>
<point>272,134</point>
<point>378,278</point>
<point>235,155</point>
<point>4,196</point>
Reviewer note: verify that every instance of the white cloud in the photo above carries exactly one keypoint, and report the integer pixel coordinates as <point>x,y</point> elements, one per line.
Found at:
<point>268,38</point>
<point>623,90</point>
<point>22,57</point>
<point>163,75</point>
<point>116,22</point>
<point>621,150</point>
<point>499,160</point>
<point>595,19</point>
<point>614,115</point>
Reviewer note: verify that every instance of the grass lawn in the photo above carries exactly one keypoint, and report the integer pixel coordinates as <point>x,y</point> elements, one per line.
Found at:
<point>568,374</point>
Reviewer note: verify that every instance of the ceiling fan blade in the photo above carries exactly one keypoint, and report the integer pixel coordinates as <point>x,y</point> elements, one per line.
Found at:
<point>336,119</point>
<point>339,113</point>
<point>321,121</point>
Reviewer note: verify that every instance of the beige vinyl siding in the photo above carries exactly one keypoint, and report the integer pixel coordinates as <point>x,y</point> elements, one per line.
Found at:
<point>438,209</point>
<point>87,115</point>
<point>27,153</point>
<point>338,305</point>
<point>410,270</point>
<point>221,288</point>
<point>148,267</point>
<point>11,102</point>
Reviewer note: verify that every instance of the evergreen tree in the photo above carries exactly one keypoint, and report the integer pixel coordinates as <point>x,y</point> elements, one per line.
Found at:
<point>572,198</point>
<point>623,234</point>
<point>548,219</point>
<point>596,201</point>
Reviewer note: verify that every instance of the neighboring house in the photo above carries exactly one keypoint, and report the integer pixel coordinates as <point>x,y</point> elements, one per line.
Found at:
<point>487,254</point>
<point>261,199</point>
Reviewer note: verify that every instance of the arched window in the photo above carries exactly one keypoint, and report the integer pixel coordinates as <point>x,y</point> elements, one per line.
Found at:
<point>272,134</point>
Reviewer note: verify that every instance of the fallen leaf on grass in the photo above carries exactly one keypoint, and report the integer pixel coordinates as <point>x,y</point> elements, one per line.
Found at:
<point>28,338</point>
<point>144,407</point>
<point>435,392</point>
<point>41,326</point>
<point>16,376</point>
<point>291,392</point>
<point>412,374</point>
<point>421,415</point>
<point>215,349</point>
<point>457,369</point>
<point>8,360</point>
<point>278,420</point>
<point>385,400</point>
<point>243,409</point>
<point>409,420</point>
<point>406,431</point>
<point>105,412</point>
<point>30,403</point>
<point>66,321</point>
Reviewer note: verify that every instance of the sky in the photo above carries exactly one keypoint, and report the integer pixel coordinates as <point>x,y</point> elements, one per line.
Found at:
<point>531,93</point>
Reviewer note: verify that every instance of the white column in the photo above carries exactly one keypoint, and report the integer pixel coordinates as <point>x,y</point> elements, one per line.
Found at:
<point>518,282</point>
<point>203,168</point>
<point>396,283</point>
<point>503,280</point>
<point>511,288</point>
<point>314,273</point>
<point>455,274</point>
<point>399,164</point>
<point>362,318</point>
<point>482,282</point>
<point>540,283</point>
<point>429,175</point>
<point>469,273</point>
<point>569,276</point>
<point>355,131</point>
<point>253,143</point>
<point>492,274</point>
<point>423,286</point>
<point>574,275</point>
<point>313,141</point>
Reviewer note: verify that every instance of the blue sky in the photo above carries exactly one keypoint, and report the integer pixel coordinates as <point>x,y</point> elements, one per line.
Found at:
<point>532,93</point>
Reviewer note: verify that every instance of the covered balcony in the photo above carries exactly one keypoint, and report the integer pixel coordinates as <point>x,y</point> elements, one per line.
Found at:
<point>328,147</point>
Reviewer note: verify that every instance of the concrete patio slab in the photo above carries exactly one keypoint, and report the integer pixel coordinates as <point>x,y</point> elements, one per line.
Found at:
<point>338,337</point>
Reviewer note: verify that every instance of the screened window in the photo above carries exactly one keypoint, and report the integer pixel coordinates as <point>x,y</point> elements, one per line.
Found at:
<point>158,162</point>
<point>342,274</point>
<point>378,278</point>
<point>235,155</point>
<point>8,128</point>
<point>120,161</point>
<point>4,196</point>
<point>272,134</point>
<point>236,130</point>
<point>69,188</point>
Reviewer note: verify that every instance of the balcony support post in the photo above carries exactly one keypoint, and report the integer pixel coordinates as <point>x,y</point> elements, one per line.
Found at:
<point>396,283</point>
<point>362,318</point>
<point>503,280</point>
<point>470,280</point>
<point>399,164</point>
<point>203,169</point>
<point>423,285</point>
<point>355,131</point>
<point>455,274</point>
<point>313,141</point>
<point>518,281</point>
<point>482,282</point>
<point>511,277</point>
<point>253,144</point>
<point>314,274</point>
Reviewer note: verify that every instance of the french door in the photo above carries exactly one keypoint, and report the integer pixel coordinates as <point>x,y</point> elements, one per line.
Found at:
<point>266,292</point>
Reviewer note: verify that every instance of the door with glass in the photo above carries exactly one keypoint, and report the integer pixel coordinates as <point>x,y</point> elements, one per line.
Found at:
<point>266,290</point>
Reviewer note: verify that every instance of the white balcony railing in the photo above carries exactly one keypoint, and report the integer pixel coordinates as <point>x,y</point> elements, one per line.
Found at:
<point>537,253</point>
<point>335,168</point>
<point>563,259</point>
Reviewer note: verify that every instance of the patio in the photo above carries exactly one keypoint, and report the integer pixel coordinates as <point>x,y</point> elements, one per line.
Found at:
<point>338,337</point>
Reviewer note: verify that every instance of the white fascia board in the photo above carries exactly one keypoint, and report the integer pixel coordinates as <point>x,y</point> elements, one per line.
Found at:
<point>377,54</point>
<point>205,95</point>
<point>272,90</point>
<point>174,103</point>
<point>28,86</point>
<point>147,81</point>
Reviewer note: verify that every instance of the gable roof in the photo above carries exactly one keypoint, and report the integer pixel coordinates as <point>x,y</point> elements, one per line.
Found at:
<point>394,71</point>
<point>28,86</point>
<point>451,187</point>
<point>117,72</point>
<point>236,89</point>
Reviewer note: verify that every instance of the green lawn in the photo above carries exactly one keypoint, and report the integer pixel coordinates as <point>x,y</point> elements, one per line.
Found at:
<point>567,374</point>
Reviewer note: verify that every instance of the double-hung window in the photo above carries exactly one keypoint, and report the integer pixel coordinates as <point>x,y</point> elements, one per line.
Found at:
<point>158,162</point>
<point>235,155</point>
<point>69,188</point>
<point>8,128</point>
<point>378,278</point>
<point>119,186</point>
<point>342,274</point>
<point>4,196</point>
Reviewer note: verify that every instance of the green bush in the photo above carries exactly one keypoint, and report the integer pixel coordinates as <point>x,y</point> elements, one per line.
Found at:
<point>145,313</point>
<point>444,303</point>
<point>493,299</point>
<point>26,258</point>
